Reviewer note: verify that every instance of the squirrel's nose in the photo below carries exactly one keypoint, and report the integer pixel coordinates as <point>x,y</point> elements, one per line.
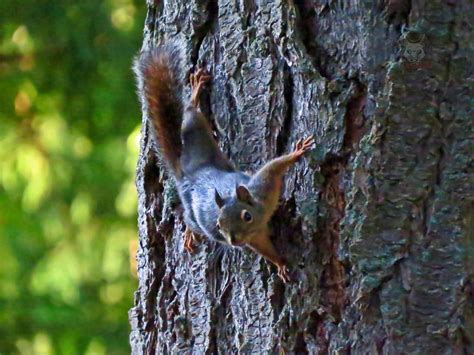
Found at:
<point>232,238</point>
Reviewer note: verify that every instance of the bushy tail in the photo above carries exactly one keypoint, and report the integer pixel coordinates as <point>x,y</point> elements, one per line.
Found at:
<point>158,74</point>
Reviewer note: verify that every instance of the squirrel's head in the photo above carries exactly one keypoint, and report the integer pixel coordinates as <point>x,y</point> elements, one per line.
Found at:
<point>240,216</point>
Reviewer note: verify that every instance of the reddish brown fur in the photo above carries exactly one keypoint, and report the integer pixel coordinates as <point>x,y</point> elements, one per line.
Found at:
<point>161,90</point>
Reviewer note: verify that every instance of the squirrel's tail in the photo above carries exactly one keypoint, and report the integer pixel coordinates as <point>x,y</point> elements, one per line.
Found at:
<point>158,74</point>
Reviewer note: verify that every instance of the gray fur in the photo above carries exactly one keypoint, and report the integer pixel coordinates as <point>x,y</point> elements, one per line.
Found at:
<point>197,191</point>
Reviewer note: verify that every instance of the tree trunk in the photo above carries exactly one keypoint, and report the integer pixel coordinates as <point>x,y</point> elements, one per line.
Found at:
<point>374,223</point>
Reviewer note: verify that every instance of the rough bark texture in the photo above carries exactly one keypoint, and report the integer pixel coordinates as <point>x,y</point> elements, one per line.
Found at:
<point>376,223</point>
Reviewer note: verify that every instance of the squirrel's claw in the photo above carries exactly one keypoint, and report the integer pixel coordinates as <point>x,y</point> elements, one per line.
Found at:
<point>197,81</point>
<point>199,77</point>
<point>302,146</point>
<point>283,273</point>
<point>189,238</point>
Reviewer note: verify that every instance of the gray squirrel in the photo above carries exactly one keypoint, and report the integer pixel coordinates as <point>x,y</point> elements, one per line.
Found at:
<point>220,202</point>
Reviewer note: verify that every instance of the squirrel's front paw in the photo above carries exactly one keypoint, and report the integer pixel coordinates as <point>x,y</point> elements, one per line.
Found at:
<point>283,273</point>
<point>302,146</point>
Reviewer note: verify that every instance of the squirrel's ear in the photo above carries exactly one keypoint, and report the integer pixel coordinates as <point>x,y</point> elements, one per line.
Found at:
<point>219,200</point>
<point>243,195</point>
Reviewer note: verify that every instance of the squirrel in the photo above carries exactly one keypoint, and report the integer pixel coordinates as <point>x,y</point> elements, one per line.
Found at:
<point>226,205</point>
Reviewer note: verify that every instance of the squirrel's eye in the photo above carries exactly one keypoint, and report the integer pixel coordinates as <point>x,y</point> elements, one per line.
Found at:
<point>246,216</point>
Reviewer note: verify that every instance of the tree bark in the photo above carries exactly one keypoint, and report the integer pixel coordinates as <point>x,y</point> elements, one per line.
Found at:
<point>376,223</point>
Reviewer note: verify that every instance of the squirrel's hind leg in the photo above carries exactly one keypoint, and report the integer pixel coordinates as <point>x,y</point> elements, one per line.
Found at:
<point>189,238</point>
<point>199,146</point>
<point>197,81</point>
<point>192,230</point>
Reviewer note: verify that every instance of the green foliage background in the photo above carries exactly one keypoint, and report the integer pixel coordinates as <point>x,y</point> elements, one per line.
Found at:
<point>69,129</point>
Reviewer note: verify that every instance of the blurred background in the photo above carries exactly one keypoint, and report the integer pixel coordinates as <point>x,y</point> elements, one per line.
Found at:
<point>69,130</point>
